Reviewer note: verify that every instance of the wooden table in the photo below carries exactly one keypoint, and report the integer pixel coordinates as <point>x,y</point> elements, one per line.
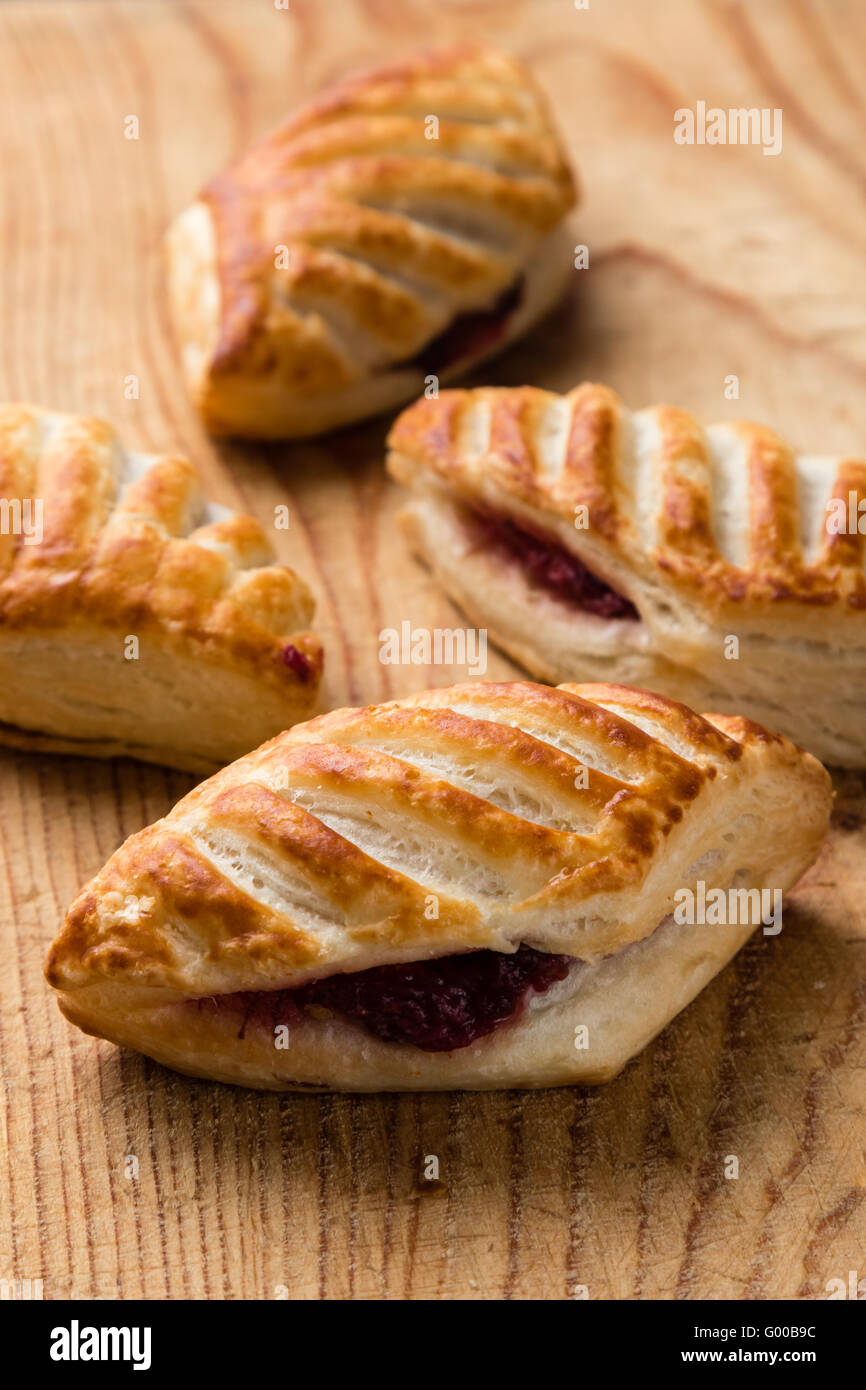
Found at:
<point>704,262</point>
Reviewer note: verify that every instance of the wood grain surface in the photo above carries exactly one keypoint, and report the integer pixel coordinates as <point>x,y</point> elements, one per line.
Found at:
<point>704,262</point>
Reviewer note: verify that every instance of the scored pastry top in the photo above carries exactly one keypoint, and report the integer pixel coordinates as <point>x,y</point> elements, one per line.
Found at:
<point>127,542</point>
<point>480,816</point>
<point>726,514</point>
<point>355,232</point>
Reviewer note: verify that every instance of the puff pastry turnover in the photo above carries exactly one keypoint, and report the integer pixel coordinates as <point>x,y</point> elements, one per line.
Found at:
<point>440,892</point>
<point>408,221</point>
<point>100,545</point>
<point>595,542</point>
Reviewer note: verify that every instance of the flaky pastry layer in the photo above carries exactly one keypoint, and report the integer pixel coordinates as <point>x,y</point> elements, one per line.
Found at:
<point>313,282</point>
<point>135,618</point>
<point>479,817</point>
<point>750,595</point>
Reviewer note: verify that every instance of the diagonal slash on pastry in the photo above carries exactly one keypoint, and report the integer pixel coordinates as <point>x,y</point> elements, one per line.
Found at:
<point>128,548</point>
<point>407,222</point>
<point>598,543</point>
<point>470,888</point>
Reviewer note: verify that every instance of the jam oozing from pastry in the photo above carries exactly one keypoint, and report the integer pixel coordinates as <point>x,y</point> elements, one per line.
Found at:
<point>437,1005</point>
<point>297,662</point>
<point>470,335</point>
<point>553,567</point>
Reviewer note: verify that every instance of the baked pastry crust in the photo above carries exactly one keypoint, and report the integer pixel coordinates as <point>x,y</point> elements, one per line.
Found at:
<point>129,548</point>
<point>311,282</point>
<point>710,532</point>
<point>563,819</point>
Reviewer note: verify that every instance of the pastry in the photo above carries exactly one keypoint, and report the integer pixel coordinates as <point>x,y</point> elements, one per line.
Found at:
<point>136,619</point>
<point>473,887</point>
<point>403,225</point>
<point>712,564</point>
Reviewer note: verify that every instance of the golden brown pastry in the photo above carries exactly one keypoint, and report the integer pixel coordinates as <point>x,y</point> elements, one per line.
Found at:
<point>597,543</point>
<point>406,223</point>
<point>135,618</point>
<point>470,888</point>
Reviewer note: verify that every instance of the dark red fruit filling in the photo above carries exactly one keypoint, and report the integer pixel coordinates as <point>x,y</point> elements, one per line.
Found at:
<point>437,1005</point>
<point>297,662</point>
<point>470,335</point>
<point>554,568</point>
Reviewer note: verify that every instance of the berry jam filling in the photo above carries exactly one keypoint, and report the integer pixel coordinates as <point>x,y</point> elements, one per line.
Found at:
<point>437,1005</point>
<point>470,335</point>
<point>297,662</point>
<point>553,567</point>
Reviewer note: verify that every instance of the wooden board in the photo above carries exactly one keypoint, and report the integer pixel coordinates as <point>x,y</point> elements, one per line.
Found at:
<point>705,262</point>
